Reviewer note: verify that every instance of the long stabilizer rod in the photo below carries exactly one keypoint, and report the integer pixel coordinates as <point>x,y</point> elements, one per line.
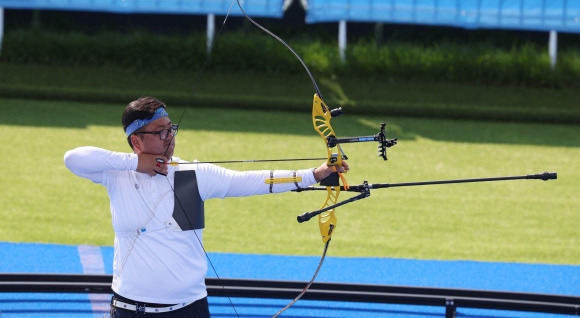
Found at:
<point>360,188</point>
<point>365,188</point>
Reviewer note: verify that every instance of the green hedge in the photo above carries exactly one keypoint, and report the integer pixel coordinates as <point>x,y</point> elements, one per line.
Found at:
<point>479,62</point>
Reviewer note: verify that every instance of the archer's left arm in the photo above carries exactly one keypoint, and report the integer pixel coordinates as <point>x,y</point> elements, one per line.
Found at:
<point>276,181</point>
<point>218,182</point>
<point>246,183</point>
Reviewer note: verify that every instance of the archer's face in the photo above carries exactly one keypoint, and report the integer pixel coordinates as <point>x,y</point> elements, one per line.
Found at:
<point>149,138</point>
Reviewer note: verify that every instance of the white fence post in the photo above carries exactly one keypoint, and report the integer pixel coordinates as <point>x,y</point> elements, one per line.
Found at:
<point>210,31</point>
<point>1,27</point>
<point>342,39</point>
<point>553,48</point>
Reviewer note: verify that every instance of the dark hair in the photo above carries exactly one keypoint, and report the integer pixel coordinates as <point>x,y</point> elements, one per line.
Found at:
<point>141,108</point>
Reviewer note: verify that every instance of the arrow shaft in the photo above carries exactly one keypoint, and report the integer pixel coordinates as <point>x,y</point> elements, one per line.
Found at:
<point>174,163</point>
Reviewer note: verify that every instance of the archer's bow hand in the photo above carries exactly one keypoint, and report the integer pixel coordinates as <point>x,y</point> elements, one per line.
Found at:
<point>152,164</point>
<point>325,170</point>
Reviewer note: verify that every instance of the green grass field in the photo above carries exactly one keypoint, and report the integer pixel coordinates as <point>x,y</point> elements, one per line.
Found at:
<point>383,95</point>
<point>516,221</point>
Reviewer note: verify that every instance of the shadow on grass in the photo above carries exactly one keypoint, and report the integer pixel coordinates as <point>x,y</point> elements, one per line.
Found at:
<point>77,115</point>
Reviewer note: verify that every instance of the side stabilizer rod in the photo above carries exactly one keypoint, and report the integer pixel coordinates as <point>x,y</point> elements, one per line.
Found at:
<point>364,193</point>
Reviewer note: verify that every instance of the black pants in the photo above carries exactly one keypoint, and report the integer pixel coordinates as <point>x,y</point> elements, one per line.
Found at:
<point>198,309</point>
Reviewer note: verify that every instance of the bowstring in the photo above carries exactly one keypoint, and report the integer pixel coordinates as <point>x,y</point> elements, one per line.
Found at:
<point>317,90</point>
<point>195,83</point>
<point>286,45</point>
<point>309,283</point>
<point>211,47</point>
<point>202,246</point>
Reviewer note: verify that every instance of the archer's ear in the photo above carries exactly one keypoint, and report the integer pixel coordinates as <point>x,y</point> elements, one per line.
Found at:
<point>137,143</point>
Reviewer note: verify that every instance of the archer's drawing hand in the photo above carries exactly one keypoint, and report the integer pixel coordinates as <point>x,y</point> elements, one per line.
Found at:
<point>325,170</point>
<point>152,164</point>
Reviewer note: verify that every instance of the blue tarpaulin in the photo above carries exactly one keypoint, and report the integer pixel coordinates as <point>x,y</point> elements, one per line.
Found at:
<point>534,15</point>
<point>257,8</point>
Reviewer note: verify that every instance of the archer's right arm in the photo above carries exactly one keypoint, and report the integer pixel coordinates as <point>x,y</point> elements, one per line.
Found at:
<point>90,162</point>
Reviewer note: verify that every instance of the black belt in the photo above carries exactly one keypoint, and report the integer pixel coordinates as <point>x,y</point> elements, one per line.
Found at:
<point>149,308</point>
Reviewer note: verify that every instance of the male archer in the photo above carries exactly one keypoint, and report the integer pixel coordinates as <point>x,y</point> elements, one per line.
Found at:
<point>157,211</point>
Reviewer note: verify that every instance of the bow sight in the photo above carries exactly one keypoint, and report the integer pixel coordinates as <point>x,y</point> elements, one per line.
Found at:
<point>380,137</point>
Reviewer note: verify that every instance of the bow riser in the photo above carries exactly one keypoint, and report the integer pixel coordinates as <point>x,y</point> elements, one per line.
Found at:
<point>321,116</point>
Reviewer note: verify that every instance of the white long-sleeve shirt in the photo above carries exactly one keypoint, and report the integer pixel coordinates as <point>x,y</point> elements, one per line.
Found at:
<point>155,261</point>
